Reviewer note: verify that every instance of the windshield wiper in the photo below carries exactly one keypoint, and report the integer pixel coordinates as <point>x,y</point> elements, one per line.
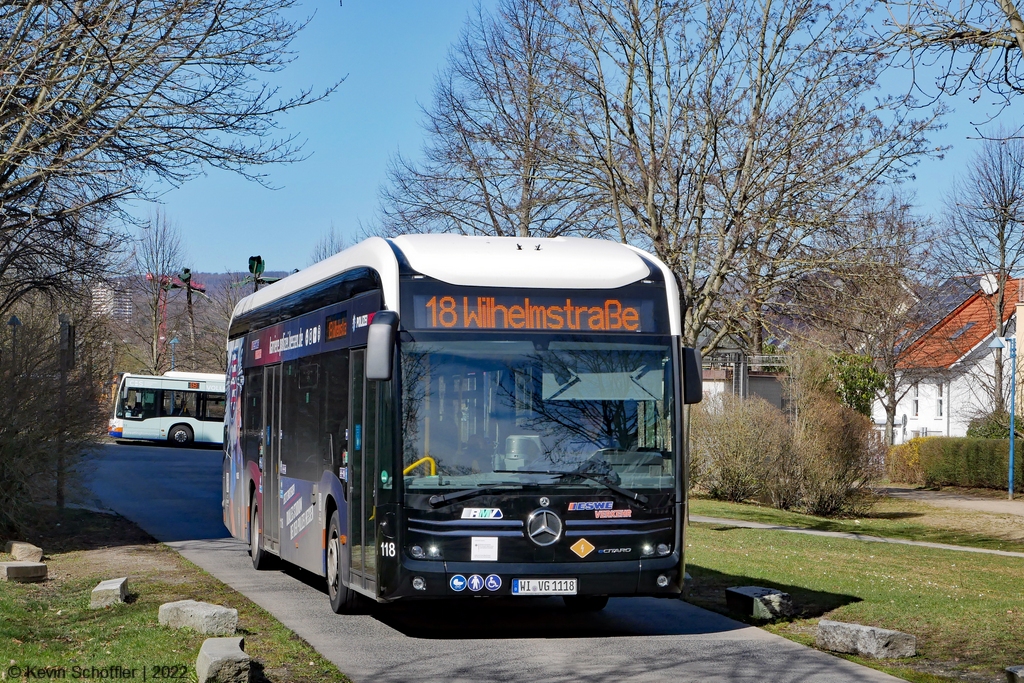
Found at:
<point>632,495</point>
<point>455,496</point>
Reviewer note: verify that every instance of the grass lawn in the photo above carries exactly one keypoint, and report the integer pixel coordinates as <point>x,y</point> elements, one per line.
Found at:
<point>50,624</point>
<point>966,609</point>
<point>890,517</point>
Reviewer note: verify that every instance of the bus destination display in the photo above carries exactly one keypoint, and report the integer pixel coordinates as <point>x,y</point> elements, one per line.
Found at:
<point>573,312</point>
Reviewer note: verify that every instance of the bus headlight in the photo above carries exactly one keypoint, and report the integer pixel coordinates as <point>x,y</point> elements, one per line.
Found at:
<point>648,550</point>
<point>419,583</point>
<point>663,549</point>
<point>662,581</point>
<point>417,552</point>
<point>434,552</point>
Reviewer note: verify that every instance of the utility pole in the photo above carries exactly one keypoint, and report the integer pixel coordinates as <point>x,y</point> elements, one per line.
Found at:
<point>186,279</point>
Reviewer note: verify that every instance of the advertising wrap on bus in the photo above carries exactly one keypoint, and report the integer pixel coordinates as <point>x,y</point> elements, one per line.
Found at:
<point>334,327</point>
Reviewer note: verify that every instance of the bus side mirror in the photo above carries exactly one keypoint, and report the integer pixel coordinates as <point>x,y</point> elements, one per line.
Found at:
<point>693,380</point>
<point>380,345</point>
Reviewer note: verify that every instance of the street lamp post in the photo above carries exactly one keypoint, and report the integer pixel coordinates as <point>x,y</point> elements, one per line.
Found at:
<point>174,342</point>
<point>997,343</point>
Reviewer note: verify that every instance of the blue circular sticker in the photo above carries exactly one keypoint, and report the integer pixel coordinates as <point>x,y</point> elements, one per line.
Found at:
<point>457,582</point>
<point>492,582</point>
<point>476,582</point>
<point>383,476</point>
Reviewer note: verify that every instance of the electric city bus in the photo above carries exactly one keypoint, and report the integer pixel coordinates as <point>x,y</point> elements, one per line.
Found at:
<point>441,416</point>
<point>180,407</point>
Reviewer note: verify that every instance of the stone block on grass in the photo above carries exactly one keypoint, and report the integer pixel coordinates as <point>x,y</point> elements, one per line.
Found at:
<point>23,572</point>
<point>222,660</point>
<point>867,641</point>
<point>24,552</point>
<point>1015,674</point>
<point>109,592</point>
<point>758,602</point>
<point>200,616</point>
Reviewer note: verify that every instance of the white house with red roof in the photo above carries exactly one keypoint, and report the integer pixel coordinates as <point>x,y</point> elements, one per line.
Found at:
<point>953,368</point>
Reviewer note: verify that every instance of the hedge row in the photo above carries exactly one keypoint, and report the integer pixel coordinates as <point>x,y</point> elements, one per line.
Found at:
<point>963,461</point>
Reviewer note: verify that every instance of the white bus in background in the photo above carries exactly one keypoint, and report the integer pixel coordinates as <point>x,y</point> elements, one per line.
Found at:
<point>180,407</point>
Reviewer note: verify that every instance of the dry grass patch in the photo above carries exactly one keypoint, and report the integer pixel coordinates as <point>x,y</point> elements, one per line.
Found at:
<point>50,625</point>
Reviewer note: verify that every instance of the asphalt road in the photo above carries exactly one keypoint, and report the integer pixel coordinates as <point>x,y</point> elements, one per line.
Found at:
<point>174,494</point>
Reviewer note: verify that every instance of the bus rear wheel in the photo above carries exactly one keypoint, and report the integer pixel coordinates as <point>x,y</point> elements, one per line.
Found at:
<point>260,557</point>
<point>181,435</point>
<point>585,603</point>
<point>342,599</point>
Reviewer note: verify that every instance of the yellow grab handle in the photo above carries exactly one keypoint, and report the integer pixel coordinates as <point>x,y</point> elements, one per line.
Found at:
<point>426,458</point>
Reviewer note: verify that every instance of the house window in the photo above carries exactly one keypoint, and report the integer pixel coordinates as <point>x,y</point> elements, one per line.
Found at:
<point>938,402</point>
<point>916,393</point>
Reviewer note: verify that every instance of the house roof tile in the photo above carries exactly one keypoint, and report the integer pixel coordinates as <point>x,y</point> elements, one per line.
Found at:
<point>961,330</point>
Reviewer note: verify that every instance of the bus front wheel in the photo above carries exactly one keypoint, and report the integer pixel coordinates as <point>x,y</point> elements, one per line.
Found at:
<point>260,557</point>
<point>181,435</point>
<point>342,599</point>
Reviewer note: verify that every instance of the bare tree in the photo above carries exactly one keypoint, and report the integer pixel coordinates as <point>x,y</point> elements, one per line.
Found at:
<point>49,412</point>
<point>732,139</point>
<point>497,117</point>
<point>876,302</point>
<point>984,230</point>
<point>976,45</point>
<point>214,319</point>
<point>158,257</point>
<point>329,244</point>
<point>100,97</point>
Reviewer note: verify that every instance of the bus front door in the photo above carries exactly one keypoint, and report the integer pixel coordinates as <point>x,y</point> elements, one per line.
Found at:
<point>362,465</point>
<point>272,458</point>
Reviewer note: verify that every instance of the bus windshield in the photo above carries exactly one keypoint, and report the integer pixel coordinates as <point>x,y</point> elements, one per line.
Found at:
<point>510,413</point>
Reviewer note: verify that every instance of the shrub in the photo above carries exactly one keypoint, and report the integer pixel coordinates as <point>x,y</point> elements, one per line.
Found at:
<point>995,425</point>
<point>839,455</point>
<point>965,461</point>
<point>856,381</point>
<point>903,462</point>
<point>735,444</point>
<point>821,460</point>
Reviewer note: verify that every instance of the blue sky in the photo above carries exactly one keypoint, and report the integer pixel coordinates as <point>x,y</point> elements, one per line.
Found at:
<point>389,53</point>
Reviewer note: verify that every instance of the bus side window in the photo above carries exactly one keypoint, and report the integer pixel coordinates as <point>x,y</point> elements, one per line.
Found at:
<point>140,404</point>
<point>179,403</point>
<point>213,407</point>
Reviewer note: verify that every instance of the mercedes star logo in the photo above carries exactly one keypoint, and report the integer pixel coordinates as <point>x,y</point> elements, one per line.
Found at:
<point>544,527</point>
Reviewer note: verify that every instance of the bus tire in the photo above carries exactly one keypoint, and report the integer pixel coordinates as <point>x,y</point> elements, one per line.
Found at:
<point>342,598</point>
<point>260,557</point>
<point>585,603</point>
<point>180,435</point>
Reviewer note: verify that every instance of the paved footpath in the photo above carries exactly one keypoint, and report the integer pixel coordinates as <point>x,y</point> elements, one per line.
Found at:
<point>962,501</point>
<point>743,524</point>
